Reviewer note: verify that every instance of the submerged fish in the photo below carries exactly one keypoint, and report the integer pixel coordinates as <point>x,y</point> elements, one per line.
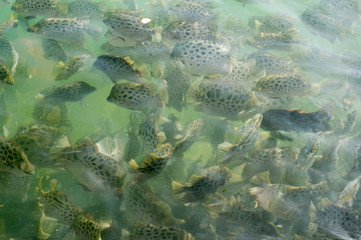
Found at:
<point>151,232</point>
<point>283,85</point>
<point>65,29</point>
<point>200,187</point>
<point>13,159</point>
<point>143,97</point>
<point>64,71</point>
<point>53,50</point>
<point>85,9</point>
<point>225,99</point>
<point>9,56</point>
<point>203,57</point>
<point>272,24</point>
<point>6,25</point>
<point>279,41</point>
<point>34,8</point>
<point>96,172</point>
<point>286,120</point>
<point>71,92</point>
<point>183,30</point>
<point>149,133</point>
<point>86,227</point>
<point>117,68</point>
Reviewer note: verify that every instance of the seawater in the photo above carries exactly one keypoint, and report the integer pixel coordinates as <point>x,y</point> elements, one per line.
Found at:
<point>19,218</point>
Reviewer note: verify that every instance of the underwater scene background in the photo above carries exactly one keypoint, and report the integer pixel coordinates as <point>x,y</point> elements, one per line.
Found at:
<point>186,119</point>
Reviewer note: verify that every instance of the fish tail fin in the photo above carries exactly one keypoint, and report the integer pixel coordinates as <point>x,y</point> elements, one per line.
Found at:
<point>177,187</point>
<point>57,70</point>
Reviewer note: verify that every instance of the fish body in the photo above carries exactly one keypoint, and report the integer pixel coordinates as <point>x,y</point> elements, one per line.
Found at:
<point>149,133</point>
<point>279,41</point>
<point>8,24</point>
<point>321,23</point>
<point>53,50</point>
<point>130,27</point>
<point>8,55</point>
<point>143,97</point>
<point>270,63</point>
<point>64,29</point>
<point>34,8</point>
<point>117,68</point>
<point>57,204</point>
<point>86,227</point>
<point>85,9</point>
<point>199,187</point>
<point>152,163</point>
<point>192,133</point>
<point>192,12</point>
<point>182,30</point>
<point>278,119</point>
<point>95,171</point>
<point>203,57</point>
<point>142,205</point>
<point>151,232</point>
<point>225,99</point>
<point>64,71</point>
<point>13,159</point>
<point>71,92</point>
<point>271,24</point>
<point>283,84</point>
<point>178,83</point>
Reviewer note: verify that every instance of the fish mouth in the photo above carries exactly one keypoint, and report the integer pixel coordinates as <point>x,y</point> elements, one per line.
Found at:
<point>109,99</point>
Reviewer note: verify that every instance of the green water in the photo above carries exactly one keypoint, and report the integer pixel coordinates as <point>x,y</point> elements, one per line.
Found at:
<point>94,116</point>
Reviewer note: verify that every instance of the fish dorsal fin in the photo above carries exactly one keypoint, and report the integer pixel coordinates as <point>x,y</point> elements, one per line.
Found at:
<point>151,87</point>
<point>261,178</point>
<point>128,60</point>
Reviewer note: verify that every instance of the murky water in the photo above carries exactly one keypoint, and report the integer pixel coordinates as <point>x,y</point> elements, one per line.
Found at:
<point>283,164</point>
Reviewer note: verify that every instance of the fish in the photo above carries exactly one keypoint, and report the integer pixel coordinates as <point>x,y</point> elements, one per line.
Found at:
<point>115,41</point>
<point>4,114</point>
<point>133,145</point>
<point>295,120</point>
<point>5,75</point>
<point>278,41</point>
<point>284,84</point>
<point>86,227</point>
<point>8,24</point>
<point>131,27</point>
<point>203,57</point>
<point>178,82</point>
<point>65,29</point>
<point>172,129</point>
<point>272,24</point>
<point>9,55</point>
<point>242,73</point>
<point>305,158</point>
<point>224,99</point>
<point>152,232</point>
<point>145,52</point>
<point>63,71</point>
<point>248,136</point>
<point>192,133</point>
<point>85,9</point>
<point>142,205</point>
<point>251,221</point>
<point>95,171</point>
<point>322,23</point>
<point>183,30</point>
<point>57,204</point>
<point>117,68</point>
<point>192,12</point>
<point>143,97</point>
<point>336,220</point>
<point>268,62</point>
<point>200,187</point>
<point>39,141</point>
<point>13,159</point>
<point>152,164</point>
<point>53,50</point>
<point>32,9</point>
<point>72,92</point>
<point>149,134</point>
